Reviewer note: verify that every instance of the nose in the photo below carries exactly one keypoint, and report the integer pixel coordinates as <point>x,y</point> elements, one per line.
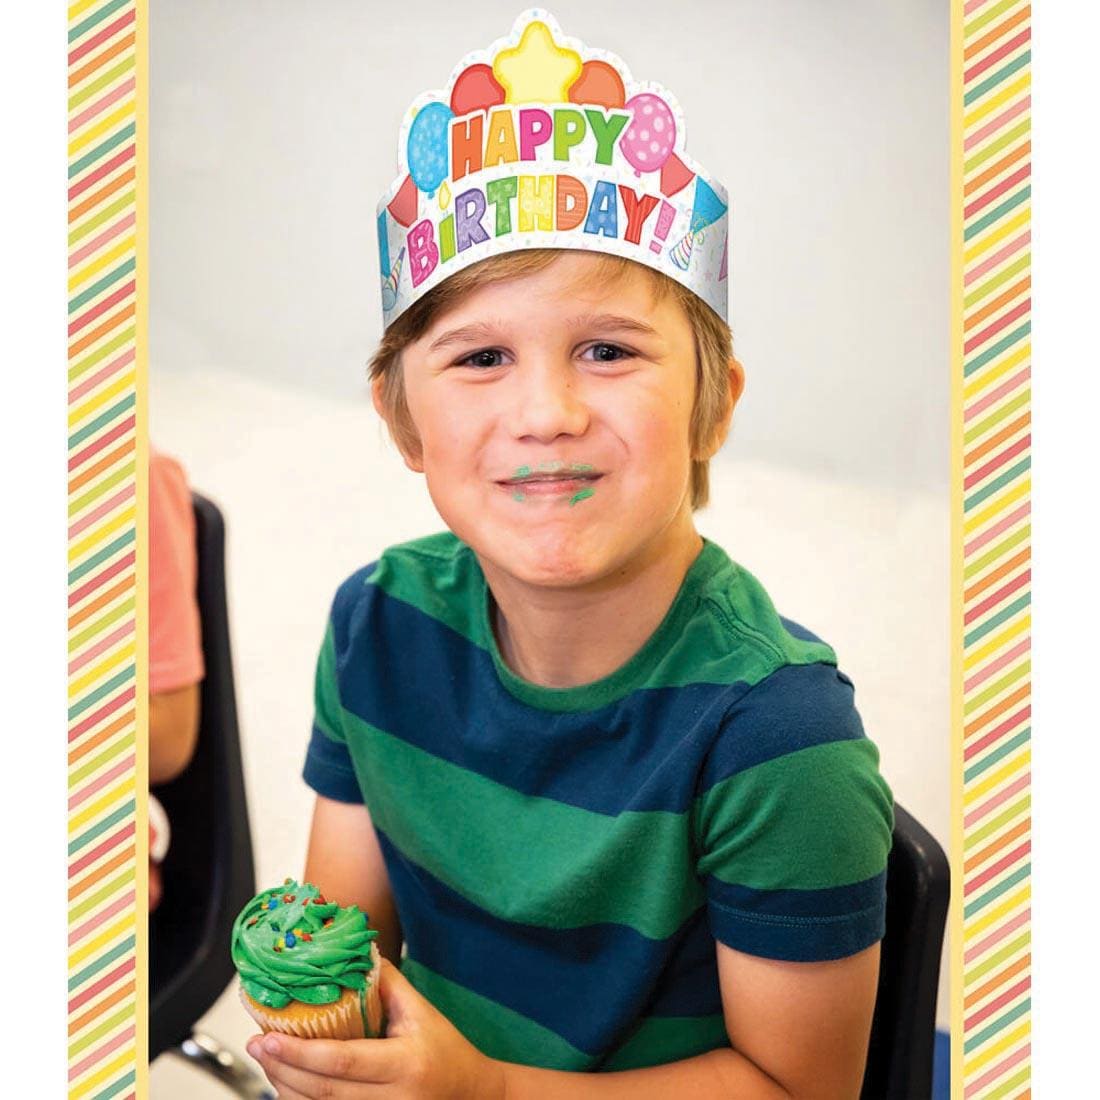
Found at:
<point>547,400</point>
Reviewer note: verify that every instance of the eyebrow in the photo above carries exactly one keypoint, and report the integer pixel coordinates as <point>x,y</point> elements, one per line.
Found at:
<point>481,330</point>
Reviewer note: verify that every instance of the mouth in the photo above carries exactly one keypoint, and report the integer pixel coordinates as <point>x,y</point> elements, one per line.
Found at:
<point>551,479</point>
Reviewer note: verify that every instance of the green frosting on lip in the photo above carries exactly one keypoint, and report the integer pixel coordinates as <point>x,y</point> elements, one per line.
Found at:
<point>290,944</point>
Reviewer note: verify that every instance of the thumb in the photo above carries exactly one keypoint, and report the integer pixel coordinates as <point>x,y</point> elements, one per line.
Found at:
<point>400,1000</point>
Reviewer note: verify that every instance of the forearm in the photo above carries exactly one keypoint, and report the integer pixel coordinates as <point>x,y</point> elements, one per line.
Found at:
<point>173,731</point>
<point>716,1075</point>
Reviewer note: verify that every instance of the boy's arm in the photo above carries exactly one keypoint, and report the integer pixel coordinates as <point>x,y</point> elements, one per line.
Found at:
<point>798,1030</point>
<point>345,863</point>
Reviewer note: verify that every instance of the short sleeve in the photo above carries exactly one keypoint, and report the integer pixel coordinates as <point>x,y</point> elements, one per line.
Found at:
<point>175,636</point>
<point>793,826</point>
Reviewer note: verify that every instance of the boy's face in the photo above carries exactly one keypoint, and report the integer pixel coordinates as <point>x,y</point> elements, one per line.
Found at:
<point>553,414</point>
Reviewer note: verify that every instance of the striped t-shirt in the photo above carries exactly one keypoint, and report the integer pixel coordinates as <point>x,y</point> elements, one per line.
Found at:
<point>562,860</point>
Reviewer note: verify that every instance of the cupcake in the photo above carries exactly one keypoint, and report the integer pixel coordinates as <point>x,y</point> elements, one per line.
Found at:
<point>308,966</point>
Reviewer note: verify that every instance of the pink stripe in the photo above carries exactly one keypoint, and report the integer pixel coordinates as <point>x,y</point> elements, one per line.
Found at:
<point>103,644</point>
<point>990,331</point>
<point>85,995</point>
<point>998,799</point>
<point>102,239</point>
<point>1013,246</point>
<point>105,169</point>
<point>998,460</point>
<point>994,869</point>
<point>999,1070</point>
<point>997,665</point>
<point>101,1052</point>
<point>123,360</point>
<point>986,197</point>
<point>975,951</point>
<point>996,394</point>
<point>85,793</point>
<point>991,59</point>
<point>93,449</point>
<point>99,37</point>
<point>973,5</point>
<point>104,711</point>
<point>987,739</point>
<point>100,308</point>
<point>124,88</point>
<point>118,906</point>
<point>102,578</point>
<point>1003,118</point>
<point>101,510</point>
<point>1002,594</point>
<point>1001,525</point>
<point>89,858</point>
<point>999,1001</point>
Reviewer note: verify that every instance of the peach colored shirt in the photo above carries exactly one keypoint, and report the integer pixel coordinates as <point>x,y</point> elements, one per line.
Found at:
<point>175,640</point>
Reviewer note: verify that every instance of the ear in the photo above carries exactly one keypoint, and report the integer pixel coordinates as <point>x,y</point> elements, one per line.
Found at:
<point>407,442</point>
<point>722,428</point>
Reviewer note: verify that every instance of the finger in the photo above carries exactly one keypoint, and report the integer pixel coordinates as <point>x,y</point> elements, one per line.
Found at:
<point>376,1061</point>
<point>300,1084</point>
<point>401,1000</point>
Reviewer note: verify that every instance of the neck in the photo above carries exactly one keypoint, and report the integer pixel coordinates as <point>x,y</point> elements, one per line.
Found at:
<point>562,638</point>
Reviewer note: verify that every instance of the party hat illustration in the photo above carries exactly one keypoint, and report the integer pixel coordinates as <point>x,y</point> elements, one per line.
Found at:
<point>389,284</point>
<point>708,207</point>
<point>681,251</point>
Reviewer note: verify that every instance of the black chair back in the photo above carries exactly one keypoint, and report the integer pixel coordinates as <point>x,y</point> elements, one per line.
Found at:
<point>918,888</point>
<point>208,874</point>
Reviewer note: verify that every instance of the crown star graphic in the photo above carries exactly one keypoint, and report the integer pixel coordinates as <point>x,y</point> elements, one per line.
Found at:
<point>538,70</point>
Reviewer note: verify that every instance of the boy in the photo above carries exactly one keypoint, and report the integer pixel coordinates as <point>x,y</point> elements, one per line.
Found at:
<point>622,816</point>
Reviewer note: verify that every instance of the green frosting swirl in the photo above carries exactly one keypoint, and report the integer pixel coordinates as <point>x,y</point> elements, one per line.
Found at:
<point>290,944</point>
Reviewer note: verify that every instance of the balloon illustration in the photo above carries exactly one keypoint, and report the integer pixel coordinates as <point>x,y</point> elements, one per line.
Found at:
<point>649,138</point>
<point>427,151</point>
<point>476,89</point>
<point>598,83</point>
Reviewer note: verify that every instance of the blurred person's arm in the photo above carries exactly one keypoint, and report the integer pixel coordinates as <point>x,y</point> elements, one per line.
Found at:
<point>173,731</point>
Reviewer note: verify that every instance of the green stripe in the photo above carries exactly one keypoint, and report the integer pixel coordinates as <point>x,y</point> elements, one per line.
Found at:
<point>113,818</point>
<point>101,81</point>
<point>102,758</point>
<point>1007,1086</point>
<point>991,285</point>
<point>986,220</point>
<point>980,21</point>
<point>104,689</point>
<point>998,957</point>
<point>998,551</point>
<point>100,286</point>
<point>1001,1022</point>
<point>117,1087</point>
<point>997,687</point>
<point>998,754</point>
<point>101,150</point>
<point>995,621</point>
<point>102,1029</point>
<point>96,17</point>
<point>979,361</point>
<point>101,421</point>
<point>116,885</point>
<point>991,895</point>
<point>104,960</point>
<point>102,486</point>
<point>495,1030</point>
<point>999,482</point>
<point>753,826</point>
<point>101,556</point>
<point>1002,413</point>
<point>101,624</point>
<point>662,1039</point>
<point>1017,809</point>
<point>127,198</point>
<point>77,369</point>
<point>995,147</point>
<point>603,865</point>
<point>999,77</point>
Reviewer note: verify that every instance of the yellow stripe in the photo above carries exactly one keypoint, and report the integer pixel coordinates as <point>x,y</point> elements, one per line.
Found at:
<point>79,7</point>
<point>1003,96</point>
<point>93,404</point>
<point>124,924</point>
<point>1019,669</point>
<point>1009,227</point>
<point>119,114</point>
<point>97,265</point>
<point>994,915</point>
<point>1020,760</point>
<point>999,1047</point>
<point>100,804</point>
<point>979,519</point>
<point>999,640</point>
<point>77,686</point>
<point>101,1075</point>
<point>987,378</point>
<point>100,534</point>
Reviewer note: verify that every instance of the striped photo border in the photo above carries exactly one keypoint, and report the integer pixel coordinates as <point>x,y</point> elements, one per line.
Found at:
<point>991,547</point>
<point>991,540</point>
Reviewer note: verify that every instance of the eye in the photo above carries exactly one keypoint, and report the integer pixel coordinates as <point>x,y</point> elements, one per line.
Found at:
<point>608,353</point>
<point>487,357</point>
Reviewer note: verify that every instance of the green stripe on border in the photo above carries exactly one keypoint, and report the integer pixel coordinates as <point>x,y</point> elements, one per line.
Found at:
<point>999,482</point>
<point>97,288</point>
<point>986,220</point>
<point>100,692</point>
<point>991,895</point>
<point>101,963</point>
<point>96,18</point>
<point>979,361</point>
<point>1001,1022</point>
<point>109,550</point>
<point>102,149</point>
<point>1001,75</point>
<point>113,818</point>
<point>994,621</point>
<point>997,755</point>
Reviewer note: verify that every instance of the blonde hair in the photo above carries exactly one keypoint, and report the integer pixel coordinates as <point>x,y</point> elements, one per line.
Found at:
<point>713,347</point>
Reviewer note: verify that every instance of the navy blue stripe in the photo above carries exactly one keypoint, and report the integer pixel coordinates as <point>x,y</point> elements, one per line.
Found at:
<point>653,750</point>
<point>610,973</point>
<point>328,769</point>
<point>831,901</point>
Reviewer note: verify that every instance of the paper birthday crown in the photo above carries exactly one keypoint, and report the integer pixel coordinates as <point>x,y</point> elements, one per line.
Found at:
<point>542,142</point>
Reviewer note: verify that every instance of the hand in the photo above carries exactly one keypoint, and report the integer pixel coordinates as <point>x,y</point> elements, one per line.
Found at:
<point>423,1057</point>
